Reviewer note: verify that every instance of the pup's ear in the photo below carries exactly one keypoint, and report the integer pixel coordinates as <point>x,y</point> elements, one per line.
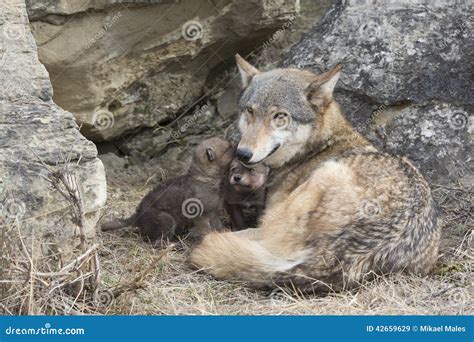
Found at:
<point>210,154</point>
<point>321,89</point>
<point>247,71</point>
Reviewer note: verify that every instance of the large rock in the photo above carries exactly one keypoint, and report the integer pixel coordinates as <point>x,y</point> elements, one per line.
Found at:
<point>407,80</point>
<point>125,65</point>
<point>38,137</point>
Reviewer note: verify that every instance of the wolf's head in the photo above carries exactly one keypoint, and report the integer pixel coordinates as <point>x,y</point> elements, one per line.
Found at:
<point>280,111</point>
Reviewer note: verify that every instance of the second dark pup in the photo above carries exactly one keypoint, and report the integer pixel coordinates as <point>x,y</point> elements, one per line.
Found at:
<point>244,187</point>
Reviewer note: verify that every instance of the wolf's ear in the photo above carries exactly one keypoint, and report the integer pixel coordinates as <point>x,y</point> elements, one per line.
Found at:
<point>247,71</point>
<point>321,89</point>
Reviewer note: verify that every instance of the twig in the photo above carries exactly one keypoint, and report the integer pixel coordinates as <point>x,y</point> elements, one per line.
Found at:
<point>29,278</point>
<point>79,258</point>
<point>137,282</point>
<point>451,188</point>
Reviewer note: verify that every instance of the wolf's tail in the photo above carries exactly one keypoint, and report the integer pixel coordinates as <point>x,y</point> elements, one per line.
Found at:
<point>230,256</point>
<point>118,223</point>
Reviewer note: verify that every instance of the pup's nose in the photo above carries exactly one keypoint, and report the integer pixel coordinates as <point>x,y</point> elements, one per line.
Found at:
<point>243,154</point>
<point>237,178</point>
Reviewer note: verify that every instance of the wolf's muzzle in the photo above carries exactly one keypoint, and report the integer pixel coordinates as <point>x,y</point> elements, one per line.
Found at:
<point>243,154</point>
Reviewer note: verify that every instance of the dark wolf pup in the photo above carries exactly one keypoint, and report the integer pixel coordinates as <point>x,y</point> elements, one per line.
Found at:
<point>189,201</point>
<point>244,187</point>
<point>337,208</point>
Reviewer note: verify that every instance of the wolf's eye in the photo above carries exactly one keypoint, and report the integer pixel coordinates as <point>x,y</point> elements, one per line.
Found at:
<point>281,120</point>
<point>249,109</point>
<point>279,116</point>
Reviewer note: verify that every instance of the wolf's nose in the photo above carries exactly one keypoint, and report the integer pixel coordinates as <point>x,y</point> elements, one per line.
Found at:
<point>243,154</point>
<point>237,177</point>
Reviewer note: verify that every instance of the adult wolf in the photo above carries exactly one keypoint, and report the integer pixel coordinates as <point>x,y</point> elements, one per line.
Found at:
<point>337,209</point>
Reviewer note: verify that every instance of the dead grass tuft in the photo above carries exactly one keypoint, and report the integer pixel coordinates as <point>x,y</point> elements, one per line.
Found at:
<point>174,289</point>
<point>133,278</point>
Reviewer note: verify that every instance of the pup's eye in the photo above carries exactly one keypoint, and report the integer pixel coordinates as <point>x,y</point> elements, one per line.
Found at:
<point>249,109</point>
<point>281,120</point>
<point>233,169</point>
<point>252,170</point>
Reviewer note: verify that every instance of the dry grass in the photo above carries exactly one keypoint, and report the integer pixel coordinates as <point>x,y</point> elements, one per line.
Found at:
<point>172,288</point>
<point>37,279</point>
<point>120,273</point>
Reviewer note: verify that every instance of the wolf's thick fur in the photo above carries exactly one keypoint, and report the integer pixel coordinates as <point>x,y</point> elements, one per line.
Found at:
<point>337,210</point>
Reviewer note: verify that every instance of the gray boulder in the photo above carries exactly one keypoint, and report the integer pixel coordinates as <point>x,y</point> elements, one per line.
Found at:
<point>135,64</point>
<point>38,138</point>
<point>408,78</point>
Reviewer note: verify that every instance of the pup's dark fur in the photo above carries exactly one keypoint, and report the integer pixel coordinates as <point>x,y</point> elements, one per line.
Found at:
<point>189,201</point>
<point>244,187</point>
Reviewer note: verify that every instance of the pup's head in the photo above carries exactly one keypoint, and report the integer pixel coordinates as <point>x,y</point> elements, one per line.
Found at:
<point>246,179</point>
<point>214,155</point>
<point>280,110</point>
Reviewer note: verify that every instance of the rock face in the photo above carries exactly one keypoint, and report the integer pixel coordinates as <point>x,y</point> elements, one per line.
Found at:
<point>135,64</point>
<point>407,80</point>
<point>38,137</point>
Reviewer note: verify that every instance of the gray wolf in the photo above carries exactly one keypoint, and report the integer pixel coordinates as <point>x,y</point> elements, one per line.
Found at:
<point>337,208</point>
